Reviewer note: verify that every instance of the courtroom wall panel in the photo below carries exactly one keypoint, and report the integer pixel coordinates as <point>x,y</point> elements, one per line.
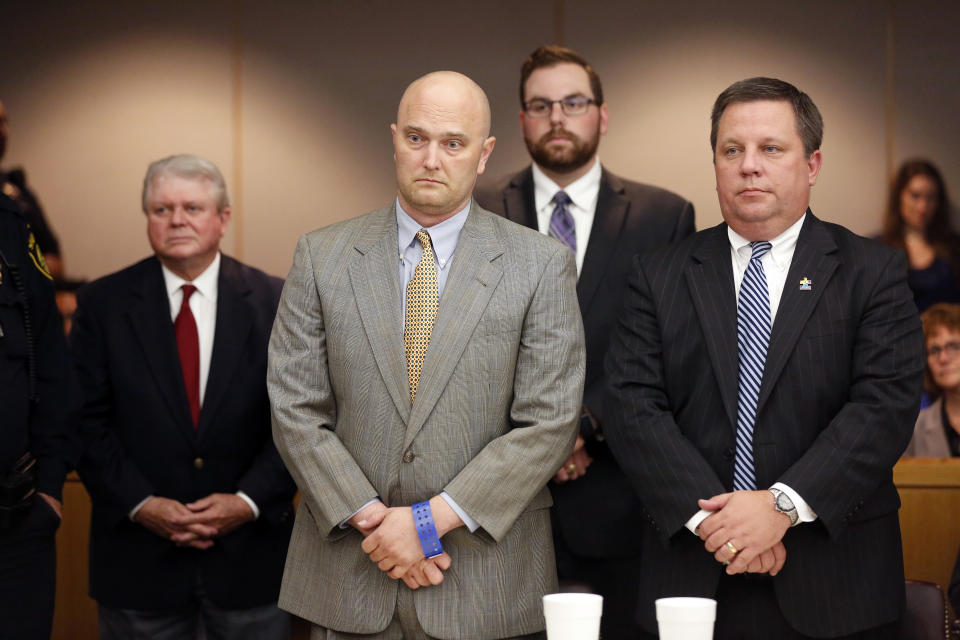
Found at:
<point>293,101</point>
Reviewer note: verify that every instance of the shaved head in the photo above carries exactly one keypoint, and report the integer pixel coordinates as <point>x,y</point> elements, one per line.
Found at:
<point>441,142</point>
<point>448,89</point>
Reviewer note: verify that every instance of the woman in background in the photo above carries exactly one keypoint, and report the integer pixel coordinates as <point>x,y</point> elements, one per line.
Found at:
<point>937,433</point>
<point>918,221</point>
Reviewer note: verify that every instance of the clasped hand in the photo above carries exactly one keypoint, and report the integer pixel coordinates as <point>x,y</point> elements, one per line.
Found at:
<point>196,524</point>
<point>750,523</point>
<point>390,540</point>
<point>576,465</point>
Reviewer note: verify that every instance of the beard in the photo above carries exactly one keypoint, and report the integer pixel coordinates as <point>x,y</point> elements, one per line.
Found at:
<point>565,159</point>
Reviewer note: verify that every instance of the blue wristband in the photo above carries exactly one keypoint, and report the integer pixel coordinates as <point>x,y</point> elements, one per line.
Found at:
<point>426,530</point>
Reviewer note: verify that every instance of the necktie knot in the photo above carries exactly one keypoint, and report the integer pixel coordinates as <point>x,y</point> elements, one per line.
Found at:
<point>188,290</point>
<point>759,249</point>
<point>424,239</point>
<point>562,226</point>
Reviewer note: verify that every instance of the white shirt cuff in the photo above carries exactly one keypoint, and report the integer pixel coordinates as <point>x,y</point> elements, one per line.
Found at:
<point>803,509</point>
<point>133,511</point>
<point>472,524</point>
<point>695,521</point>
<point>249,501</point>
<point>346,523</point>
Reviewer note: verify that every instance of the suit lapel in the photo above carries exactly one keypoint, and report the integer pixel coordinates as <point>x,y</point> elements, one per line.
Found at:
<point>710,279</point>
<point>375,278</point>
<point>811,259</point>
<point>474,275</point>
<point>234,319</point>
<point>608,221</point>
<point>518,201</point>
<point>149,318</point>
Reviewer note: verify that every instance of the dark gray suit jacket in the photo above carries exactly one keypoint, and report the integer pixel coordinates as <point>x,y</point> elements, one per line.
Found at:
<point>837,403</point>
<point>598,514</point>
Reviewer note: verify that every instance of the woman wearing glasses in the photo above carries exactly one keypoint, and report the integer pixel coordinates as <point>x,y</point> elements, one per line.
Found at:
<point>937,434</point>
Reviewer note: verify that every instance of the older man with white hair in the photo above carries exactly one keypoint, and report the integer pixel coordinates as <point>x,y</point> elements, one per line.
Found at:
<point>191,502</point>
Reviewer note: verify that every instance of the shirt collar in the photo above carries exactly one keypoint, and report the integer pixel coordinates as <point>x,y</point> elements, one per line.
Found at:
<point>582,191</point>
<point>443,235</point>
<point>781,247</point>
<point>206,282</point>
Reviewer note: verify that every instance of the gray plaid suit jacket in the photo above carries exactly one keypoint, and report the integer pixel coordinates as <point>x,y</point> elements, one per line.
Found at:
<point>494,417</point>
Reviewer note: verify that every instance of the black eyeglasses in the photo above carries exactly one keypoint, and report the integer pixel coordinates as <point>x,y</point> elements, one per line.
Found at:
<point>951,349</point>
<point>571,105</point>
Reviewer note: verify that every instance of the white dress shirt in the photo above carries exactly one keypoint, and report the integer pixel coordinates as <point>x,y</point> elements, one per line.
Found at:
<point>776,264</point>
<point>203,305</point>
<point>583,192</point>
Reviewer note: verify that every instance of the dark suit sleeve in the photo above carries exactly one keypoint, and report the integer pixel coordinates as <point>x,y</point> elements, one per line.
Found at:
<point>267,482</point>
<point>666,470</point>
<point>108,474</point>
<point>855,453</point>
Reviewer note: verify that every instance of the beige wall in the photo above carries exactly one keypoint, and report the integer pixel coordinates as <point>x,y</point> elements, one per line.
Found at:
<point>294,102</point>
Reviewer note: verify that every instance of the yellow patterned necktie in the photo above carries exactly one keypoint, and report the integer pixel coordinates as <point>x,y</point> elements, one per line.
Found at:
<point>423,301</point>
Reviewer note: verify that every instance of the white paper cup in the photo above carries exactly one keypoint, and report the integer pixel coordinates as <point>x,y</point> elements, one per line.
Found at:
<point>572,616</point>
<point>686,618</point>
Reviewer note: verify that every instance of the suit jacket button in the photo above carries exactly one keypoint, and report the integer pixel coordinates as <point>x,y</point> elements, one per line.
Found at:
<point>198,463</point>
<point>408,456</point>
<point>729,453</point>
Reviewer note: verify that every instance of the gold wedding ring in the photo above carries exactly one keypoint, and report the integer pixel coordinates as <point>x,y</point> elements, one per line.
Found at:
<point>732,548</point>
<point>571,468</point>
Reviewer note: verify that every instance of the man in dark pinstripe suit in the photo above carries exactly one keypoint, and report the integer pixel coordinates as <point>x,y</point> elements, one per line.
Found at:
<point>809,532</point>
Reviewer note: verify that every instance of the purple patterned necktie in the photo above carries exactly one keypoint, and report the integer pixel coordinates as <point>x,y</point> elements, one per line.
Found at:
<point>561,222</point>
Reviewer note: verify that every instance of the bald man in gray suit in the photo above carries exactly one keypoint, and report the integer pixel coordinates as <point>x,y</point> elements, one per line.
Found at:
<point>460,439</point>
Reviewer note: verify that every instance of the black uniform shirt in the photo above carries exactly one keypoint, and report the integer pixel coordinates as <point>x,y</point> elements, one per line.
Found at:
<point>38,393</point>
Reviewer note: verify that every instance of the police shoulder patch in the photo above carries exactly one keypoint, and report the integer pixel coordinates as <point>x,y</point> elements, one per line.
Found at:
<point>33,250</point>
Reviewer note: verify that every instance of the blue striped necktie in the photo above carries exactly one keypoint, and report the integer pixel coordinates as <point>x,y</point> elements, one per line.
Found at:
<point>753,338</point>
<point>561,222</point>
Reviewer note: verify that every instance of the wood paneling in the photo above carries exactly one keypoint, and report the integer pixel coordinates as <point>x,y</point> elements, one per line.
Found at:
<point>75,617</point>
<point>930,493</point>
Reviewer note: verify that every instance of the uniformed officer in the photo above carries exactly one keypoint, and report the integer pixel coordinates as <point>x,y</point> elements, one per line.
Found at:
<point>38,445</point>
<point>13,183</point>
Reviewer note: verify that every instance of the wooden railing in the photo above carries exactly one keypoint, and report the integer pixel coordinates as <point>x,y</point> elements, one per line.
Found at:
<point>930,516</point>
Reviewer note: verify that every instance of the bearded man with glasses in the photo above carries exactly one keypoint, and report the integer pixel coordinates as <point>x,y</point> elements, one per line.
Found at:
<point>604,220</point>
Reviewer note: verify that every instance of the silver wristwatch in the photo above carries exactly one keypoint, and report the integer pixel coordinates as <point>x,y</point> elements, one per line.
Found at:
<point>783,504</point>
